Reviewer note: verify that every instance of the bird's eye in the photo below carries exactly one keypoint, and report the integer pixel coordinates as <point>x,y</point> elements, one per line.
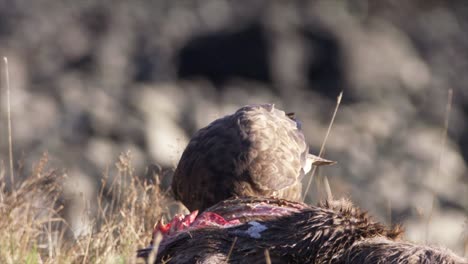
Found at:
<point>292,116</point>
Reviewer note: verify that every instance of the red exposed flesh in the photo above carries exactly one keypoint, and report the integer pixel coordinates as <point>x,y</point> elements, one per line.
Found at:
<point>177,224</point>
<point>230,218</point>
<point>213,219</point>
<point>228,213</point>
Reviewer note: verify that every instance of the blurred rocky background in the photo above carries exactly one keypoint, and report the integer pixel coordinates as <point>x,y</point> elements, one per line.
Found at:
<point>93,79</point>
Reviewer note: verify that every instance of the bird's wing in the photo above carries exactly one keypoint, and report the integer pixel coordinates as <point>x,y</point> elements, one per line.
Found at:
<point>278,151</point>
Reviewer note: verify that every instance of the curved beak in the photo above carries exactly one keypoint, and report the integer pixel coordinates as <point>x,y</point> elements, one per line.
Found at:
<point>318,161</point>
<point>313,160</point>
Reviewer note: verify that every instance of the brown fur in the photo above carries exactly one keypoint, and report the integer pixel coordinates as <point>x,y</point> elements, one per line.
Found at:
<point>335,232</point>
<point>384,250</point>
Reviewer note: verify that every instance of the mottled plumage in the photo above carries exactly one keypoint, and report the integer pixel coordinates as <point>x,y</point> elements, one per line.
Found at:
<point>257,151</point>
<point>334,232</point>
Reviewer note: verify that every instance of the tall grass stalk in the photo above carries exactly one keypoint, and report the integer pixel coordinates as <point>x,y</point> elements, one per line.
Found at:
<point>448,108</point>
<point>10,137</point>
<point>322,148</point>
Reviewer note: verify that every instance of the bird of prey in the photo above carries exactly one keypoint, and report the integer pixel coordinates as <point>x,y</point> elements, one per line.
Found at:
<point>257,151</point>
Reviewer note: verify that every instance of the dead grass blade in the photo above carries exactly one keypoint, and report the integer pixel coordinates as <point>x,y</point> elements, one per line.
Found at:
<point>267,256</point>
<point>10,140</point>
<point>327,188</point>
<point>154,251</point>
<point>448,109</point>
<point>231,249</point>
<point>322,148</point>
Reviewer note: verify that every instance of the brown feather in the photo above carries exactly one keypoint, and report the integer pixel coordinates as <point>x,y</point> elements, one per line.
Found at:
<point>257,151</point>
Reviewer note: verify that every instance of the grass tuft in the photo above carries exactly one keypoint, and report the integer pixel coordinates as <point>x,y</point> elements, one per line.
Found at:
<point>33,228</point>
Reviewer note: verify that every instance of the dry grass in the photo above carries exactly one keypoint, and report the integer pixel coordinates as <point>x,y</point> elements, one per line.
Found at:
<point>33,229</point>
<point>322,149</point>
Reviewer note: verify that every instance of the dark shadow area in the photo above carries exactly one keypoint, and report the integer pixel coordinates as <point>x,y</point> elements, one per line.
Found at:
<point>222,56</point>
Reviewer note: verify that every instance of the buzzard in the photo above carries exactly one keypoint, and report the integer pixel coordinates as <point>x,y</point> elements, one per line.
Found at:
<point>258,151</point>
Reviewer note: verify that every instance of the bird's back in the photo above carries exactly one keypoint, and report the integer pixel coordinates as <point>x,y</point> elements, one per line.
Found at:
<point>257,151</point>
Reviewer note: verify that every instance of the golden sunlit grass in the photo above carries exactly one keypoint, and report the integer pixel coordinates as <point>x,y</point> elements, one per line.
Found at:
<point>33,230</point>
